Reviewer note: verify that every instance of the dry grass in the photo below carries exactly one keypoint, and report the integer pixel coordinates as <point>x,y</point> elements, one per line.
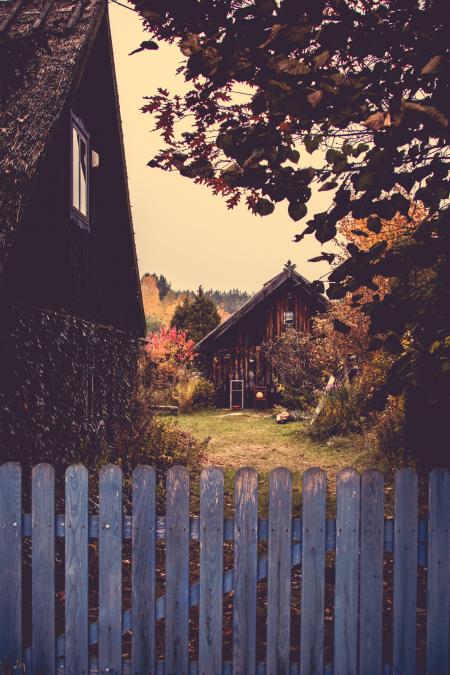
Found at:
<point>251,438</point>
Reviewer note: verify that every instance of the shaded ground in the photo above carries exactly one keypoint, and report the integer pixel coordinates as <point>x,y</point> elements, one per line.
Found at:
<point>251,438</point>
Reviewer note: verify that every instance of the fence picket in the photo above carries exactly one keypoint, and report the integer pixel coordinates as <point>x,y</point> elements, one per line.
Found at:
<point>143,571</point>
<point>405,572</point>
<point>371,573</point>
<point>279,572</point>
<point>76,573</point>
<point>347,573</point>
<point>438,596</point>
<point>110,570</point>
<point>245,571</point>
<point>313,572</point>
<point>360,536</point>
<point>211,572</point>
<point>177,571</point>
<point>10,566</point>
<point>43,570</point>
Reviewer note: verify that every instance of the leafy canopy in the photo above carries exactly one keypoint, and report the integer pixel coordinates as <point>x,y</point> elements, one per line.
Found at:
<point>365,86</point>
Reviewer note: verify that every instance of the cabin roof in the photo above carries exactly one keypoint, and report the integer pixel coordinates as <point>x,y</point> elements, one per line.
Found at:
<point>44,47</point>
<point>316,300</point>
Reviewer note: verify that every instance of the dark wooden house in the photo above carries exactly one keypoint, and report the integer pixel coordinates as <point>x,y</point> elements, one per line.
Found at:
<point>231,353</point>
<point>71,308</point>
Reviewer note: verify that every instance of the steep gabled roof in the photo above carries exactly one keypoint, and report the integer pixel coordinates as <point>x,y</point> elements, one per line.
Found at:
<point>44,45</point>
<point>289,272</point>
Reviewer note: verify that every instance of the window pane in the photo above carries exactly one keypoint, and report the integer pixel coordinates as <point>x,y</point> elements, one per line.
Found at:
<point>289,318</point>
<point>83,177</point>
<point>75,170</point>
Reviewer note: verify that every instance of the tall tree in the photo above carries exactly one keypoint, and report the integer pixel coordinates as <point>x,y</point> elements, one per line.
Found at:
<point>363,85</point>
<point>197,316</point>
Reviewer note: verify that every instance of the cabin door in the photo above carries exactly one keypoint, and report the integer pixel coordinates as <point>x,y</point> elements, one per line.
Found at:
<point>236,394</point>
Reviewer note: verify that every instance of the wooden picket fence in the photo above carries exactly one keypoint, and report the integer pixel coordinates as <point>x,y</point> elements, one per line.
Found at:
<point>359,537</point>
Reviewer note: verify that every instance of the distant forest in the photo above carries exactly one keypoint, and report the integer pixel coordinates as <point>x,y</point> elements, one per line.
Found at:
<point>160,300</point>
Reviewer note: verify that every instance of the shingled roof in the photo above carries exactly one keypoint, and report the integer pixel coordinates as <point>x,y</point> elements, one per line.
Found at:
<point>317,300</point>
<point>43,47</point>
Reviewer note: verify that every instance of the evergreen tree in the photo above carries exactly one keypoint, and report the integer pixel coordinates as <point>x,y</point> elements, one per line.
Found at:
<point>197,316</point>
<point>163,285</point>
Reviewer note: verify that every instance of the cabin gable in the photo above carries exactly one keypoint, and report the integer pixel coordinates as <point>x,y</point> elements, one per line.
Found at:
<point>232,353</point>
<point>75,256</point>
<point>71,309</point>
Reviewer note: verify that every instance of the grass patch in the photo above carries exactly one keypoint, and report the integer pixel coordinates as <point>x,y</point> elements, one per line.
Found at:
<point>250,438</point>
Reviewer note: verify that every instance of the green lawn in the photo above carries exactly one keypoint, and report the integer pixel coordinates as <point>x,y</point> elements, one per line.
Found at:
<point>250,438</point>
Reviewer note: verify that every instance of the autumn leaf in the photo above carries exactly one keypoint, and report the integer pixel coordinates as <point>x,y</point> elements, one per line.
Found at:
<point>322,59</point>
<point>331,185</point>
<point>147,44</point>
<point>264,207</point>
<point>273,34</point>
<point>292,67</point>
<point>375,122</point>
<point>297,211</point>
<point>190,45</point>
<point>431,66</point>
<point>315,97</point>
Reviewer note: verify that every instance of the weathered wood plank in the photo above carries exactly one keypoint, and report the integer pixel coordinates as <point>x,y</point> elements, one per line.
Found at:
<point>245,571</point>
<point>405,572</point>
<point>371,573</point>
<point>347,573</point>
<point>438,596</point>
<point>313,572</point>
<point>43,570</point>
<point>279,572</point>
<point>110,570</point>
<point>177,571</point>
<point>211,572</point>
<point>76,573</point>
<point>143,571</point>
<point>10,566</point>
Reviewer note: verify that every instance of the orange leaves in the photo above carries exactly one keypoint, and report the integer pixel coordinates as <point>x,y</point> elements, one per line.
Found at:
<point>315,98</point>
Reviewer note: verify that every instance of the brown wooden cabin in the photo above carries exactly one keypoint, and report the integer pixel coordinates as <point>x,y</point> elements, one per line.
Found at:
<point>71,307</point>
<point>231,353</point>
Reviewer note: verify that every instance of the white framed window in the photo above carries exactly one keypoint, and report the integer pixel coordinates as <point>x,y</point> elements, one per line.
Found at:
<point>80,170</point>
<point>289,319</point>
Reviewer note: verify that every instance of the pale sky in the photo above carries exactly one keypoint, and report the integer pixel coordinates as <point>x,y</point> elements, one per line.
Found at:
<point>182,230</point>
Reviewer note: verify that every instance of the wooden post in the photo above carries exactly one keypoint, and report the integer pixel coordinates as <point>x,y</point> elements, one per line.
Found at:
<point>405,572</point>
<point>245,571</point>
<point>43,570</point>
<point>76,557</point>
<point>279,573</point>
<point>177,571</point>
<point>347,573</point>
<point>211,572</point>
<point>10,567</point>
<point>143,571</point>
<point>371,574</point>
<point>110,570</point>
<point>438,596</point>
<point>313,572</point>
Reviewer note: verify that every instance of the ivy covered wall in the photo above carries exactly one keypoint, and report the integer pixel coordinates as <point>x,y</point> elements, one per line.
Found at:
<point>65,386</point>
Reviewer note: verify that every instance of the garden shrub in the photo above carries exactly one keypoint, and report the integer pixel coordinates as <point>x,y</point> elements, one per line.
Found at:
<point>151,439</point>
<point>194,392</point>
<point>388,431</point>
<point>296,375</point>
<point>340,414</point>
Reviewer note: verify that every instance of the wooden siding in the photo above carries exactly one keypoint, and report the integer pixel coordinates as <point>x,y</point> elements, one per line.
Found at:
<point>238,354</point>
